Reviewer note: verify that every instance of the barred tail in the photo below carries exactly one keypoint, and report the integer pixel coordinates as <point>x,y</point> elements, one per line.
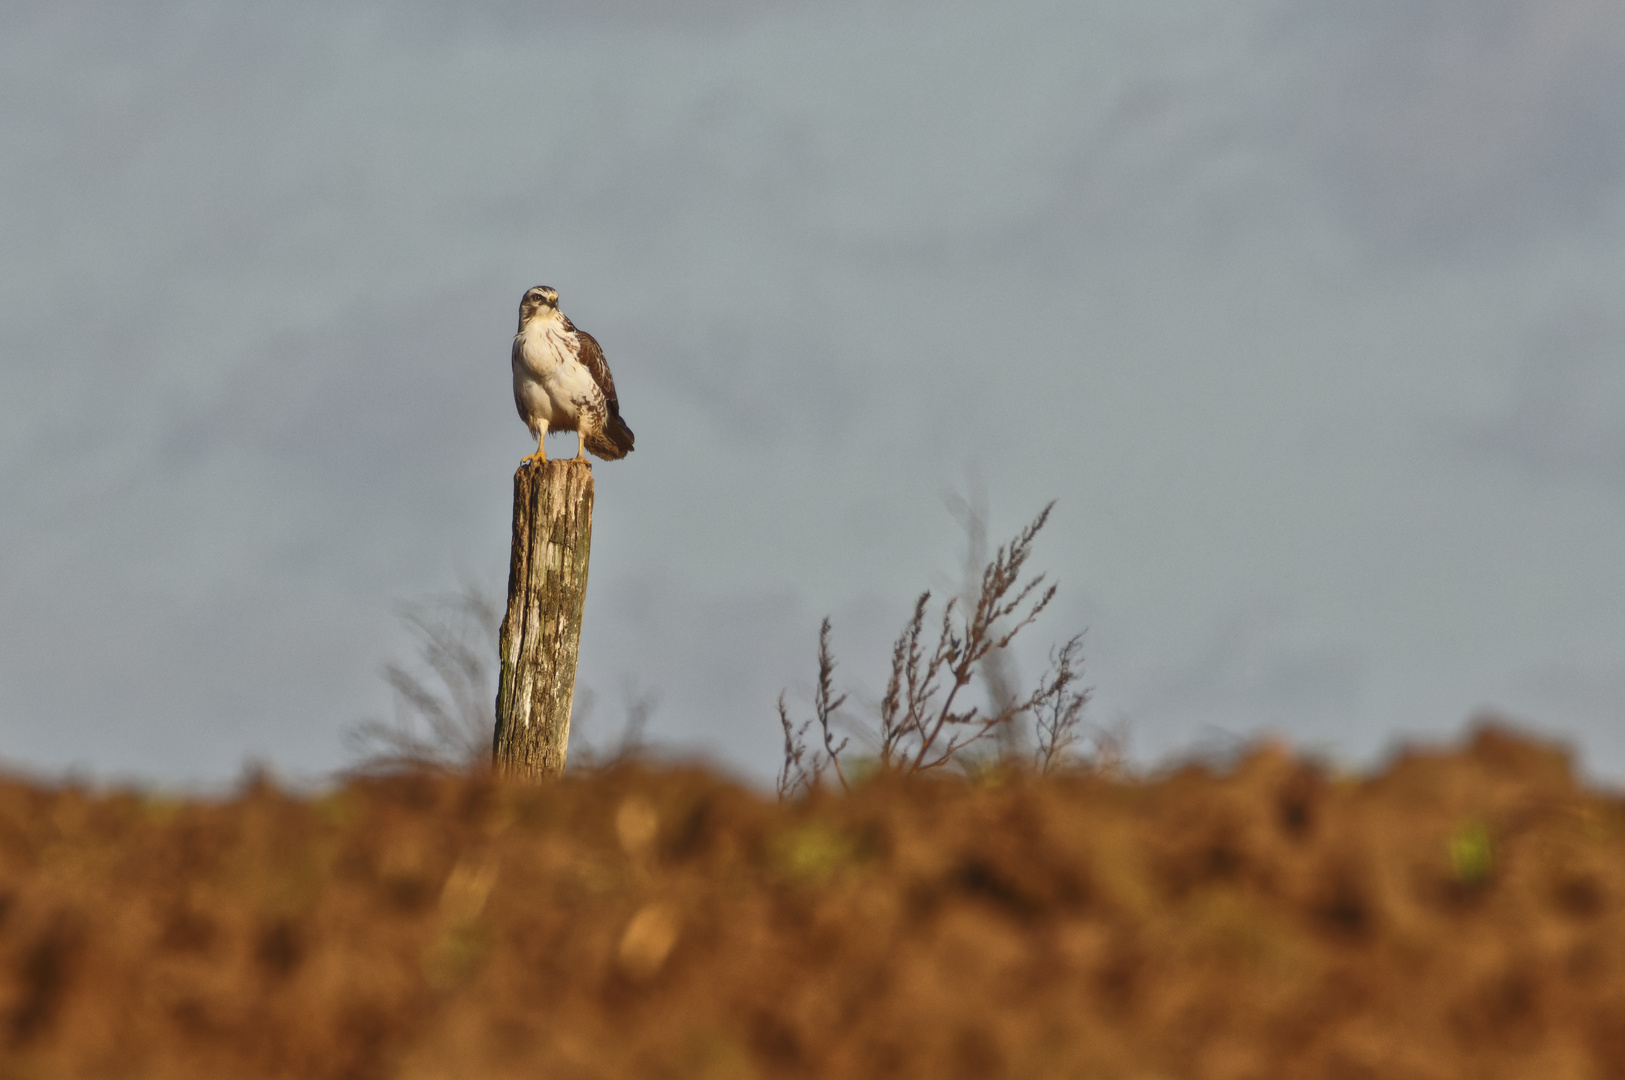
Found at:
<point>613,442</point>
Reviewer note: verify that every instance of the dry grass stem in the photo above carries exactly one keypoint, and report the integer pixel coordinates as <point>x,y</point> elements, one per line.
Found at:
<point>925,722</point>
<point>804,768</point>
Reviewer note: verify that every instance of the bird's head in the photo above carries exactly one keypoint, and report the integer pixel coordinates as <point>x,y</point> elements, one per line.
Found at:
<point>538,298</point>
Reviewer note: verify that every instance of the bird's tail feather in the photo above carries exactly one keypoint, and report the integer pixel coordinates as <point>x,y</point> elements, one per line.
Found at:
<point>613,442</point>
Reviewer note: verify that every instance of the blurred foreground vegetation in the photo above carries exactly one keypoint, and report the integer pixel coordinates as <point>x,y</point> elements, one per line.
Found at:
<point>1458,913</point>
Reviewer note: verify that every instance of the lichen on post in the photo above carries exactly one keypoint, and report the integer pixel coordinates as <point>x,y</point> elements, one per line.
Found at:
<point>541,633</point>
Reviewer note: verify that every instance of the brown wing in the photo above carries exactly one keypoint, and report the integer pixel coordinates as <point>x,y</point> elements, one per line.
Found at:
<point>592,358</point>
<point>614,440</point>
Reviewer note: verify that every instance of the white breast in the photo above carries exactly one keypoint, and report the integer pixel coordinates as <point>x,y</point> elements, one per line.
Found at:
<point>542,348</point>
<point>549,382</point>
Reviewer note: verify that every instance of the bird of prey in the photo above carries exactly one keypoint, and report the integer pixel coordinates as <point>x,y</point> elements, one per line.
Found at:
<point>561,382</point>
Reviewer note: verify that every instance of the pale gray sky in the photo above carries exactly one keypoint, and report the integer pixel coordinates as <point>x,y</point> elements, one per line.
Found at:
<point>1309,314</point>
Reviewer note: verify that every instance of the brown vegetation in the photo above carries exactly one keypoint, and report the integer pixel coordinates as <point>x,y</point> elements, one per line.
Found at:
<point>1458,914</point>
<point>926,722</point>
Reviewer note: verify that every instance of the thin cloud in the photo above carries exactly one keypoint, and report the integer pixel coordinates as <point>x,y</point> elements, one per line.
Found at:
<point>1456,122</point>
<point>1565,412</point>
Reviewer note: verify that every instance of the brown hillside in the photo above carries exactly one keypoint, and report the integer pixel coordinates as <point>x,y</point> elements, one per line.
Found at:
<point>1461,914</point>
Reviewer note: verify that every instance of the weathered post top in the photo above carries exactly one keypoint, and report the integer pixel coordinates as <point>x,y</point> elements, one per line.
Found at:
<point>541,633</point>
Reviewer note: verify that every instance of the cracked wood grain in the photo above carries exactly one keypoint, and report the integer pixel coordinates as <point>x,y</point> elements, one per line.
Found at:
<point>541,633</point>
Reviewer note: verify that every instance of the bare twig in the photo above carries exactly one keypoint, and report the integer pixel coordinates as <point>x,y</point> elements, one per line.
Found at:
<point>824,706</point>
<point>1057,706</point>
<point>998,668</point>
<point>793,777</point>
<point>924,723</point>
<point>804,767</point>
<point>443,705</point>
<point>977,635</point>
<point>900,708</point>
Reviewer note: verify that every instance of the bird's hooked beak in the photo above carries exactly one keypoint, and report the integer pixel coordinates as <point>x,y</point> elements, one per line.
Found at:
<point>536,300</point>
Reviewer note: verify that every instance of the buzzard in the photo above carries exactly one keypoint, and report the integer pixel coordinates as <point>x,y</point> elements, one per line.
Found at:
<point>561,382</point>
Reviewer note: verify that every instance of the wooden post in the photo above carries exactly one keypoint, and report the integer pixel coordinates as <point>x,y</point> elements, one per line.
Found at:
<point>541,634</point>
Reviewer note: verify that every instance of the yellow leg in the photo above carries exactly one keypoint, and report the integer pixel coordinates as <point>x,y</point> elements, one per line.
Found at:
<point>581,446</point>
<point>540,454</point>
